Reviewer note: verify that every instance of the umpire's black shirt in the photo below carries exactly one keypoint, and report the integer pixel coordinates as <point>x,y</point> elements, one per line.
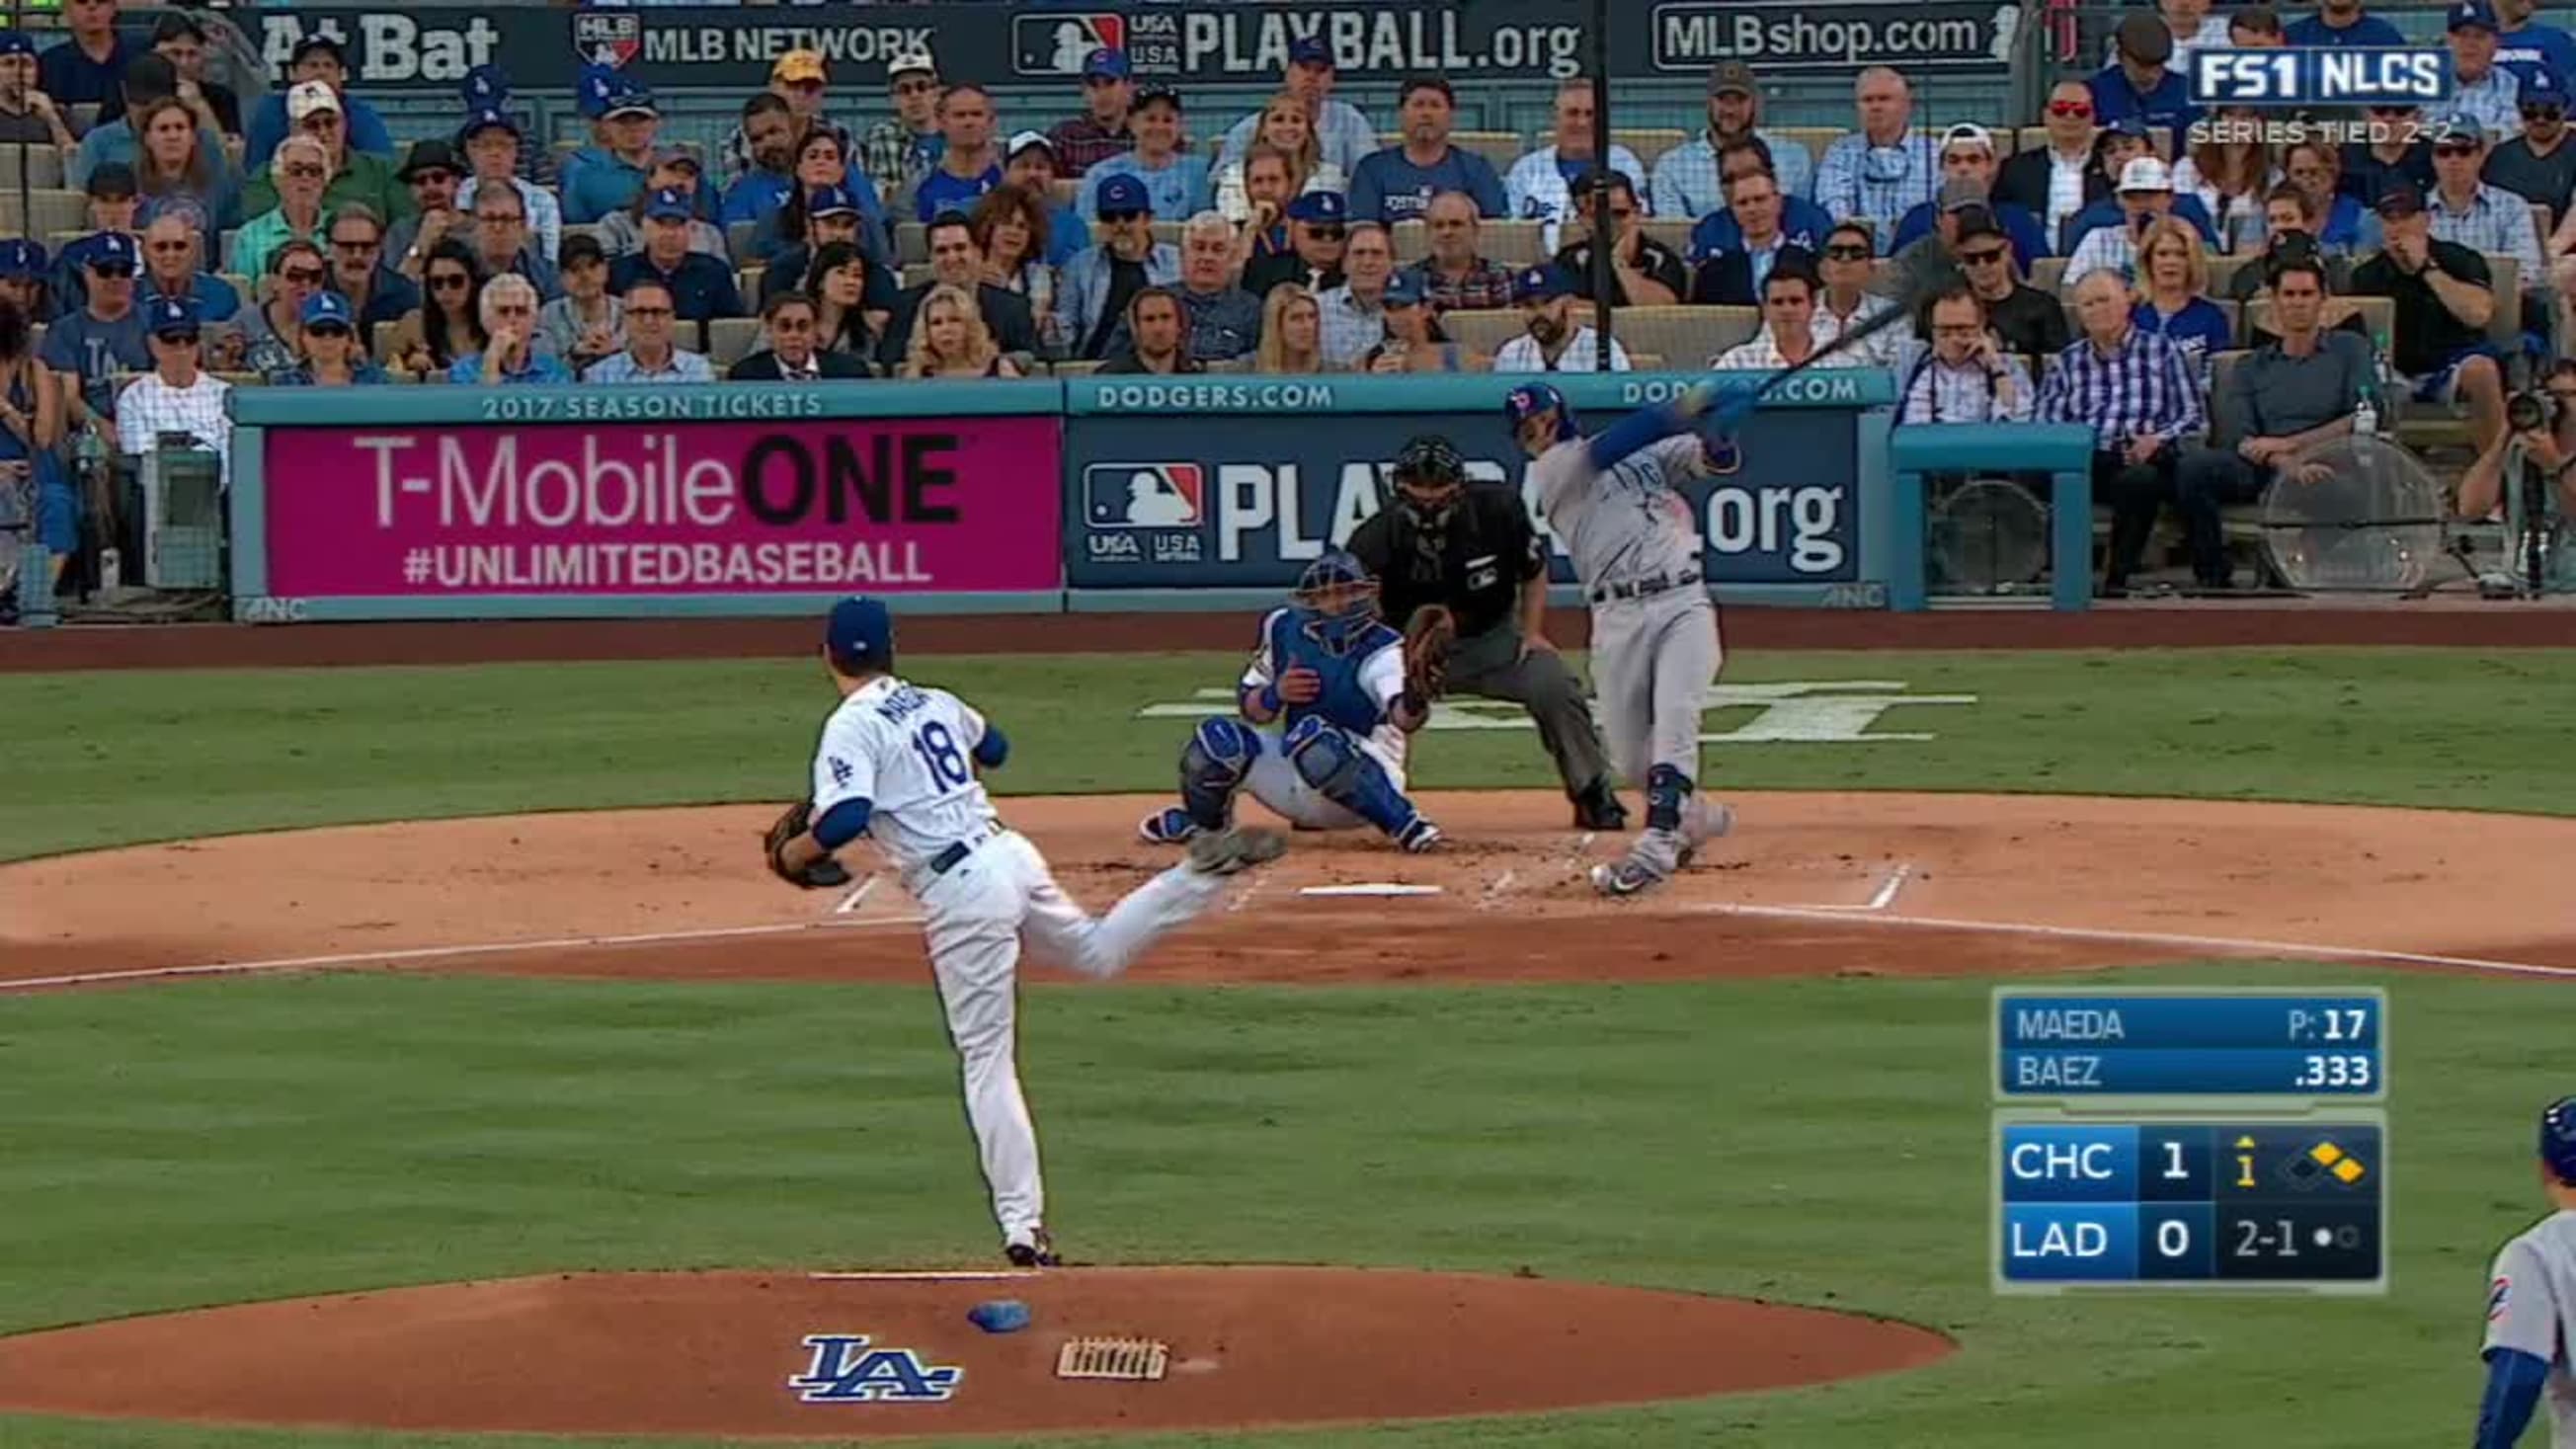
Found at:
<point>1484,552</point>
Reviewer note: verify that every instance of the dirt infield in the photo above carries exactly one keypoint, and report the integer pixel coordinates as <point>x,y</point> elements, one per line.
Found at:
<point>712,1353</point>
<point>1810,884</point>
<point>2446,623</point>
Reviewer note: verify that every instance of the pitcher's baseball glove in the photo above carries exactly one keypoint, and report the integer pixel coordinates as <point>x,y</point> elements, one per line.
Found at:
<point>798,819</point>
<point>1428,636</point>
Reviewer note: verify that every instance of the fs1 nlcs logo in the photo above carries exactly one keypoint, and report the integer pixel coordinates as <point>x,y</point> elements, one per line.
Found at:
<point>2326,76</point>
<point>842,1374</point>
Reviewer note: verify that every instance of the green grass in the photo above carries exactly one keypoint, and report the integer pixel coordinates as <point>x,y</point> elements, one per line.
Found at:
<point>1820,1141</point>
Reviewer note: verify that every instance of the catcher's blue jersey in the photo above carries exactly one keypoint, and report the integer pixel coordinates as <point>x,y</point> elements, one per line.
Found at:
<point>1359,683</point>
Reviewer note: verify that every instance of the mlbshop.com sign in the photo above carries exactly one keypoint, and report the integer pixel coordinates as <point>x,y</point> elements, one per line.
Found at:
<point>675,507</point>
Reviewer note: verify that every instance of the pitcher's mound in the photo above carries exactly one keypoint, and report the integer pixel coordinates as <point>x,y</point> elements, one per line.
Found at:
<point>714,1353</point>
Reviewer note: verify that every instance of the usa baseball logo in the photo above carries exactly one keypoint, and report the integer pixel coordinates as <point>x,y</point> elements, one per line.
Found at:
<point>1055,44</point>
<point>607,39</point>
<point>1144,495</point>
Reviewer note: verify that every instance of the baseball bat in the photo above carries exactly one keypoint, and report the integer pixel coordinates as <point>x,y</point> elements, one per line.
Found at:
<point>1918,279</point>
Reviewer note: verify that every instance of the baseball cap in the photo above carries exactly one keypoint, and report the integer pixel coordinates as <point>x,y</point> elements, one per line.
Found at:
<point>1319,208</point>
<point>799,65</point>
<point>318,41</point>
<point>2472,14</point>
<point>1153,91</point>
<point>2544,88</point>
<point>2399,200</point>
<point>911,62</point>
<point>1023,140</point>
<point>1978,223</point>
<point>170,316</point>
<point>860,630</point>
<point>1731,76</point>
<point>429,156</point>
<point>1965,134</point>
<point>597,87</point>
<point>2146,173</point>
<point>830,201</point>
<point>1310,51</point>
<point>324,307</point>
<point>310,98</point>
<point>1108,63</point>
<point>668,204</point>
<point>1122,192</point>
<point>2458,126</point>
<point>112,181</point>
<point>2131,126</point>
<point>22,257</point>
<point>2558,1138</point>
<point>1963,193</point>
<point>631,100</point>
<point>1542,284</point>
<point>104,248</point>
<point>2143,37</point>
<point>17,42</point>
<point>486,87</point>
<point>1404,289</point>
<point>679,156</point>
<point>484,120</point>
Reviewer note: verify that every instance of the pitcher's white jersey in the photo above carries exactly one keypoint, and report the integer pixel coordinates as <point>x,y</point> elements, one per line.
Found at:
<point>1628,521</point>
<point>909,752</point>
<point>2531,1306</point>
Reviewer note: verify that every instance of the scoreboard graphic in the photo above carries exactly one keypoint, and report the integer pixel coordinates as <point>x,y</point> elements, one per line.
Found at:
<point>2190,1140</point>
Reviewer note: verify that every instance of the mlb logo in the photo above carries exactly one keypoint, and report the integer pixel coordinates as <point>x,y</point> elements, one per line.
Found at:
<point>606,37</point>
<point>1144,495</point>
<point>1055,44</point>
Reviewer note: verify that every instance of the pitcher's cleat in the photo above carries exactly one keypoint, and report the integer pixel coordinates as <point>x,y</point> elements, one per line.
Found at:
<point>1418,838</point>
<point>1624,878</point>
<point>1228,851</point>
<point>1170,825</point>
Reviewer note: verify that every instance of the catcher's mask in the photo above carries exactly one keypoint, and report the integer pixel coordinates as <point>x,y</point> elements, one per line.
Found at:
<point>1430,478</point>
<point>1336,601</point>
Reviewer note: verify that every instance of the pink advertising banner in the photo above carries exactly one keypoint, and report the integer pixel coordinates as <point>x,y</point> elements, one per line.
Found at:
<point>791,507</point>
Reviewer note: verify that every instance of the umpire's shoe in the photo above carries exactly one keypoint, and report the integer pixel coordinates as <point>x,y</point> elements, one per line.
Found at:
<point>1170,825</point>
<point>1228,851</point>
<point>1597,807</point>
<point>1037,1252</point>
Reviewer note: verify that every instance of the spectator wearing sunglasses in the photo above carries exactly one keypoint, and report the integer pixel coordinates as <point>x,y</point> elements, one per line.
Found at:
<point>2468,212</point>
<point>270,339</point>
<point>335,352</point>
<point>92,345</point>
<point>2028,321</point>
<point>2401,157</point>
<point>903,146</point>
<point>351,175</point>
<point>317,58</point>
<point>2142,82</point>
<point>2057,180</point>
<point>2539,165</point>
<point>1843,300</point>
<point>1095,287</point>
<point>292,211</point>
<point>360,274</point>
<point>2530,48</point>
<point>1318,233</point>
<point>796,352</point>
<point>170,270</point>
<point>1886,167</point>
<point>1968,177</point>
<point>178,395</point>
<point>2480,87</point>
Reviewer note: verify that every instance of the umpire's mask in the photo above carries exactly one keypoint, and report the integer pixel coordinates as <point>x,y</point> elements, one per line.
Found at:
<point>1430,477</point>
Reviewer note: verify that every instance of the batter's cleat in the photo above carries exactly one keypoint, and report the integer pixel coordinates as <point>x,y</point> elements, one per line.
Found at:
<point>1170,825</point>
<point>1228,851</point>
<point>1038,1251</point>
<point>1624,877</point>
<point>1598,808</point>
<point>1419,838</point>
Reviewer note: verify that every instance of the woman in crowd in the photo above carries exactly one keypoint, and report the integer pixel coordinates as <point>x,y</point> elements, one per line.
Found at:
<point>1010,228</point>
<point>950,339</point>
<point>1292,332</point>
<point>333,354</point>
<point>2346,228</point>
<point>621,232</point>
<point>2230,179</point>
<point>1414,339</point>
<point>171,171</point>
<point>838,283</point>
<point>2173,278</point>
<point>1286,128</point>
<point>449,322</point>
<point>31,430</point>
<point>270,339</point>
<point>820,162</point>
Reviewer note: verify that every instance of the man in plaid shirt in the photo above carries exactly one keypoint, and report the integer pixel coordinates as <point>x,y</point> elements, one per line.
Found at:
<point>1454,276</point>
<point>2468,212</point>
<point>898,151</point>
<point>1101,131</point>
<point>178,395</point>
<point>1887,167</point>
<point>2135,390</point>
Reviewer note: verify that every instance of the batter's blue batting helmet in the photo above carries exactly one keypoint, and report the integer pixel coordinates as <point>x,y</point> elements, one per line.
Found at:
<point>1336,599</point>
<point>1532,398</point>
<point>2558,1139</point>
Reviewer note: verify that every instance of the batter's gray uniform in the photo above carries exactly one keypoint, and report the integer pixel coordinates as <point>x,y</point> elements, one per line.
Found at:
<point>1655,647</point>
<point>2531,1306</point>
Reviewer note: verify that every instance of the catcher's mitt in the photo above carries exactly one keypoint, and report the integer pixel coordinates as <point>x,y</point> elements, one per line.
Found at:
<point>798,819</point>
<point>1428,636</point>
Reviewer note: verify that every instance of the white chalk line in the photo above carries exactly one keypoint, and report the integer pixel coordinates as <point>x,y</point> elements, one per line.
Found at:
<point>851,901</point>
<point>433,953</point>
<point>2237,944</point>
<point>1879,901</point>
<point>929,1275</point>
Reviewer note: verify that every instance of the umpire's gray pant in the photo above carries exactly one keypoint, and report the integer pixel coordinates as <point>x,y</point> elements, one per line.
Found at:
<point>1491,664</point>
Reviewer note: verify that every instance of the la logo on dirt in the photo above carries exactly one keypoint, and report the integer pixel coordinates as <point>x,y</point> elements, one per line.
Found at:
<point>845,1370</point>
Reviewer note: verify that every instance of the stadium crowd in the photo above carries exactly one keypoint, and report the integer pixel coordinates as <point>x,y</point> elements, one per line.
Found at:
<point>2119,263</point>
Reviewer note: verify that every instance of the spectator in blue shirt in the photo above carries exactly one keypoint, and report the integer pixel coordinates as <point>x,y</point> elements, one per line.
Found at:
<point>969,165</point>
<point>2529,47</point>
<point>315,58</point>
<point>2139,83</point>
<point>769,142</point>
<point>1179,183</point>
<point>1886,167</point>
<point>701,286</point>
<point>89,66</point>
<point>605,175</point>
<point>1968,165</point>
<point>1030,165</point>
<point>170,269</point>
<point>334,353</point>
<point>1397,184</point>
<point>1802,222</point>
<point>148,79</point>
<point>2340,22</point>
<point>509,309</point>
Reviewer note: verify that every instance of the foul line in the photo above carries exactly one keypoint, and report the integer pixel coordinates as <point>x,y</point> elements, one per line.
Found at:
<point>433,953</point>
<point>2242,944</point>
<point>851,901</point>
<point>929,1275</point>
<point>1887,890</point>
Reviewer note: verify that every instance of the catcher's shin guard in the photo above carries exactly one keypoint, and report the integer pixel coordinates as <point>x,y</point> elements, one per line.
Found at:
<point>1213,766</point>
<point>1668,790</point>
<point>1327,758</point>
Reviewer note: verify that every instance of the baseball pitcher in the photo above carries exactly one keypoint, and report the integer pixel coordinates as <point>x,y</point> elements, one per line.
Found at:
<point>2531,1305</point>
<point>1614,503</point>
<point>898,763</point>
<point>1344,691</point>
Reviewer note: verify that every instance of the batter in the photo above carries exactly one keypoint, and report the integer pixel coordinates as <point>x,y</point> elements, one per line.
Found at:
<point>898,763</point>
<point>1615,506</point>
<point>2531,1305</point>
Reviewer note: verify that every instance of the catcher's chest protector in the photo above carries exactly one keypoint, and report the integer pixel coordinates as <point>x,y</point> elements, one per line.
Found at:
<point>1343,702</point>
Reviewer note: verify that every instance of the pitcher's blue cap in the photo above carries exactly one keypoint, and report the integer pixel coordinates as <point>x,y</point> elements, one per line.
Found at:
<point>22,257</point>
<point>1106,63</point>
<point>485,85</point>
<point>861,632</point>
<point>324,307</point>
<point>1122,192</point>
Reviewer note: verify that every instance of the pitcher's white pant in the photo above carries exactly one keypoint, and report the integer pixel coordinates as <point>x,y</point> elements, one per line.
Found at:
<point>1274,781</point>
<point>976,916</point>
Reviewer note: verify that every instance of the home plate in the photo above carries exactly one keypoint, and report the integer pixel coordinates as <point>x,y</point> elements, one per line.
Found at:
<point>1370,888</point>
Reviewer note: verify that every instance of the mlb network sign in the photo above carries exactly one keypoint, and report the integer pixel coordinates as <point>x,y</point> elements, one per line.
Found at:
<point>2328,76</point>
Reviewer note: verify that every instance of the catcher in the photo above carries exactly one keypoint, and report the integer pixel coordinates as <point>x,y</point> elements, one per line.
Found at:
<point>1472,554</point>
<point>1326,705</point>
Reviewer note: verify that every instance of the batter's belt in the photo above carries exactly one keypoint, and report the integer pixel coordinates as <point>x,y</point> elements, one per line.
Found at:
<point>1644,588</point>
